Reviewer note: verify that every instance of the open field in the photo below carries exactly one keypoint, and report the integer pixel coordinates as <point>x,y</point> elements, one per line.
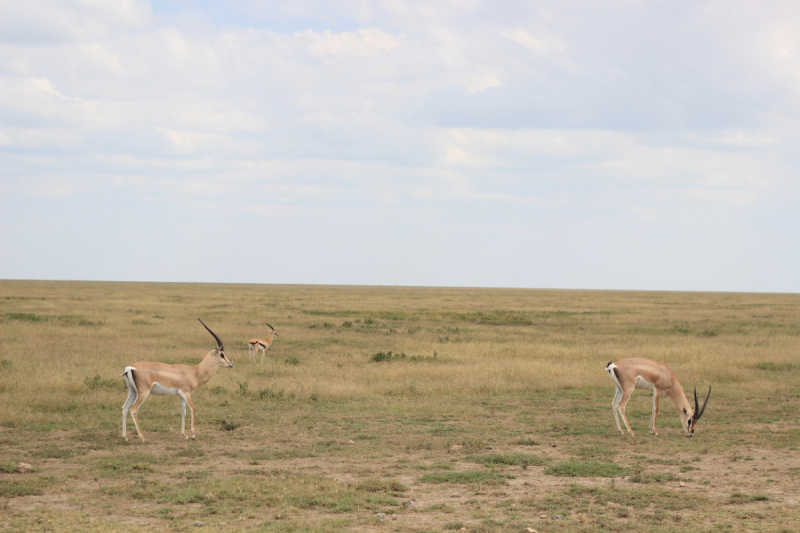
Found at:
<point>396,409</point>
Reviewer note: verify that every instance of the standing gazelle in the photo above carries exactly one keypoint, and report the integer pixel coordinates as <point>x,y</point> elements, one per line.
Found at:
<point>641,373</point>
<point>262,344</point>
<point>162,379</point>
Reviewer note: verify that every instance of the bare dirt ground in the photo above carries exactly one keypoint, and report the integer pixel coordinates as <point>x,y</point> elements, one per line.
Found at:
<point>769,472</point>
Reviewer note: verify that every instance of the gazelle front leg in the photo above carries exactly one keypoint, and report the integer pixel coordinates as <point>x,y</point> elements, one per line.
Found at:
<point>656,397</point>
<point>186,399</point>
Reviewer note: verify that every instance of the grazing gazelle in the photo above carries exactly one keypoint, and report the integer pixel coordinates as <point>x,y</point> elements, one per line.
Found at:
<point>145,378</point>
<point>641,373</point>
<point>262,344</point>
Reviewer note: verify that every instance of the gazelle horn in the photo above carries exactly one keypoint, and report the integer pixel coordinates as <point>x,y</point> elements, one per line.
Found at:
<point>698,412</point>
<point>219,341</point>
<point>270,327</point>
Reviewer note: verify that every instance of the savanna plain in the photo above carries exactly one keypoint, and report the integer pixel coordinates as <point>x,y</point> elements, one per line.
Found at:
<point>396,409</point>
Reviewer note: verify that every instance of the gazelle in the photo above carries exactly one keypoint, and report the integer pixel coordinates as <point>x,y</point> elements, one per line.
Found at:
<point>162,379</point>
<point>641,373</point>
<point>262,344</point>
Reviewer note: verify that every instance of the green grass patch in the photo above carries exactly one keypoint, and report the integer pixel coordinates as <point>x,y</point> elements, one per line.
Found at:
<point>579,468</point>
<point>127,464</point>
<point>395,488</point>
<point>50,451</point>
<point>774,367</point>
<point>466,478</point>
<point>515,459</point>
<point>29,485</point>
<point>737,498</point>
<point>97,383</point>
<point>274,490</point>
<point>493,318</point>
<point>26,317</point>
<point>8,467</point>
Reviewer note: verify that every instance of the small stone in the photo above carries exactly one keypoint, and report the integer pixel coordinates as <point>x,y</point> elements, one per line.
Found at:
<point>198,523</point>
<point>350,442</point>
<point>543,516</point>
<point>557,517</point>
<point>681,484</point>
<point>530,530</point>
<point>409,503</point>
<point>381,515</point>
<point>455,495</point>
<point>456,447</point>
<point>553,445</point>
<point>24,468</point>
<point>488,447</point>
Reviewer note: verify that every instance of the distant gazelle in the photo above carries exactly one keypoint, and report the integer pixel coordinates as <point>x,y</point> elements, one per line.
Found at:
<point>641,373</point>
<point>262,344</point>
<point>162,379</point>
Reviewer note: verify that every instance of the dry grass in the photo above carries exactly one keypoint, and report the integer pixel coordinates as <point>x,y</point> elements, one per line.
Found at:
<point>522,369</point>
<point>483,340</point>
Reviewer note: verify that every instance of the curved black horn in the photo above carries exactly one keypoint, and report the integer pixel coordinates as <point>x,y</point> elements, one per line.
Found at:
<point>219,341</point>
<point>270,327</point>
<point>698,412</point>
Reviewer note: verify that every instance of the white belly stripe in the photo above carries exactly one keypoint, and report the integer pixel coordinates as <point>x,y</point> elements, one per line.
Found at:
<point>643,383</point>
<point>160,390</point>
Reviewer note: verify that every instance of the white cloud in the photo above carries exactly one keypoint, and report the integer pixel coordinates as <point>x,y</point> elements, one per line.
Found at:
<point>545,120</point>
<point>364,42</point>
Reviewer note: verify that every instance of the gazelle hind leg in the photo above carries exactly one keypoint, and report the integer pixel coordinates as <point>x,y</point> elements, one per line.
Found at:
<point>125,408</point>
<point>135,411</point>
<point>626,395</point>
<point>614,409</point>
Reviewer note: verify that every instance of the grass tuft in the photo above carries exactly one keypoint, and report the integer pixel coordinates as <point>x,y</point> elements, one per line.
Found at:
<point>577,468</point>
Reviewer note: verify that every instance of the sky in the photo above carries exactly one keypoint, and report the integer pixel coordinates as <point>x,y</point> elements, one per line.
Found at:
<point>629,145</point>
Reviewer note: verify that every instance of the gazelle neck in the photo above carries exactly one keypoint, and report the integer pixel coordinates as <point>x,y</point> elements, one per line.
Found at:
<point>207,367</point>
<point>679,398</point>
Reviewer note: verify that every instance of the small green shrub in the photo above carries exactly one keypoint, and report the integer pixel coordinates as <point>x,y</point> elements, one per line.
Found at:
<point>228,425</point>
<point>386,357</point>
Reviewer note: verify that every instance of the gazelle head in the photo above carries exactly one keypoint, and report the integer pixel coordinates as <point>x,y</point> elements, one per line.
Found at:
<point>690,419</point>
<point>223,359</point>
<point>273,332</point>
